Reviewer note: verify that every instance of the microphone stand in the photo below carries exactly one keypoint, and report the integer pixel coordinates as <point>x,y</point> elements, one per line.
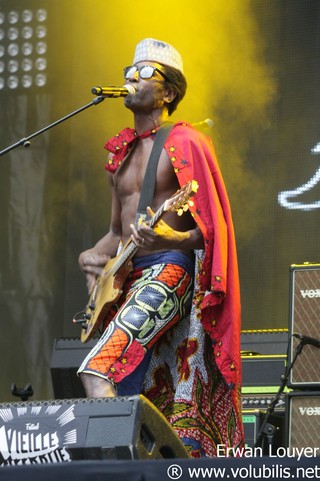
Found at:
<point>26,140</point>
<point>267,428</point>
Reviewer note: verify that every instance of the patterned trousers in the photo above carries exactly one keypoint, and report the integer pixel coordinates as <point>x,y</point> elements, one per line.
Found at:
<point>154,299</point>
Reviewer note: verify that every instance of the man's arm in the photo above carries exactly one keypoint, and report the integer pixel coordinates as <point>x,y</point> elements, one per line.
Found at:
<point>162,236</point>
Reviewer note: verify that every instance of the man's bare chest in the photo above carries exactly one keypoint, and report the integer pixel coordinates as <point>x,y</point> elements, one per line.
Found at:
<point>129,178</point>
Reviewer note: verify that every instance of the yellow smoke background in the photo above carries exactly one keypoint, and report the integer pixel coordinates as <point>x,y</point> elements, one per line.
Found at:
<point>228,78</point>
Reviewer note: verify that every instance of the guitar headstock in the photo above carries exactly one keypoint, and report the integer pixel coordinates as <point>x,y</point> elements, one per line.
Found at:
<point>180,201</point>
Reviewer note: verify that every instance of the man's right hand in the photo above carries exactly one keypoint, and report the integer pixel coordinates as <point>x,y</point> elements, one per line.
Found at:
<point>92,264</point>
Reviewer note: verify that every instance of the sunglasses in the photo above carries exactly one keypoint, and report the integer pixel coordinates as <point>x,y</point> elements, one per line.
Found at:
<point>145,72</point>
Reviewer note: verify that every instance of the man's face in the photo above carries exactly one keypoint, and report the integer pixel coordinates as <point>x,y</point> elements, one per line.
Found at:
<point>151,92</point>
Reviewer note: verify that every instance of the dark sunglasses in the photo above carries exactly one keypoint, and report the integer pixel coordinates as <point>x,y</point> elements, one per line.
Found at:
<point>145,72</point>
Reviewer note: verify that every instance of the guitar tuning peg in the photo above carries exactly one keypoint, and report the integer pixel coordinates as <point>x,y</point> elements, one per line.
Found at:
<point>191,203</point>
<point>185,207</point>
<point>180,212</point>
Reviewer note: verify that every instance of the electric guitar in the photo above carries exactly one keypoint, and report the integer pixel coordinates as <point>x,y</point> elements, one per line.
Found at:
<point>107,289</point>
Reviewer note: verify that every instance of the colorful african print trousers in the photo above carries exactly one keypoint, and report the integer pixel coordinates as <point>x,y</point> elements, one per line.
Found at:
<point>154,299</point>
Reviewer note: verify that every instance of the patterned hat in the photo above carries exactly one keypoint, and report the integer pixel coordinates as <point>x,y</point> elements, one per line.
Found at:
<point>153,50</point>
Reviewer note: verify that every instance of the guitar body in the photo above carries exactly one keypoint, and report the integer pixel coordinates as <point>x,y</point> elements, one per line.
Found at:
<point>107,290</point>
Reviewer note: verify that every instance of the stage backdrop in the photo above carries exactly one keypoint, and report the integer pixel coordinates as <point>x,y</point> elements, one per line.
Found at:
<point>252,67</point>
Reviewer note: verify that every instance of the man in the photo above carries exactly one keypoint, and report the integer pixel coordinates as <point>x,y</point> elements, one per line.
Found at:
<point>174,333</point>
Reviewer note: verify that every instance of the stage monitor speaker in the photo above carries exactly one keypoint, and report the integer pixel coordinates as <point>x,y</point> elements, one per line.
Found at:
<point>107,428</point>
<point>303,420</point>
<point>304,319</point>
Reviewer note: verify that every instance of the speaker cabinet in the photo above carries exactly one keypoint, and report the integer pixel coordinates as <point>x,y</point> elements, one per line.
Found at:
<point>108,428</point>
<point>303,420</point>
<point>304,318</point>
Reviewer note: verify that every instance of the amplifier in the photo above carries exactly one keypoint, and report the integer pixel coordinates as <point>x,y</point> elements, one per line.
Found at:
<point>264,341</point>
<point>261,398</point>
<point>258,371</point>
<point>304,319</point>
<point>303,420</point>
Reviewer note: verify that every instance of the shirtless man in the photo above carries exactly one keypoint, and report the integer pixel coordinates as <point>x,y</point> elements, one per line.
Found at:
<point>174,334</point>
<point>150,106</point>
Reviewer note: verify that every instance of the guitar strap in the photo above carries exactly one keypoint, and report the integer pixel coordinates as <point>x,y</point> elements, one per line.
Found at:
<point>149,181</point>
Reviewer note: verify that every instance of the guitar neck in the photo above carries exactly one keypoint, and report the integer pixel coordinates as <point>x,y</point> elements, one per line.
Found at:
<point>127,252</point>
<point>154,219</point>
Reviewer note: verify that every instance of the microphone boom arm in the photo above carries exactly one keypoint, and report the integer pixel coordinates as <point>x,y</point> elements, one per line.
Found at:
<point>26,140</point>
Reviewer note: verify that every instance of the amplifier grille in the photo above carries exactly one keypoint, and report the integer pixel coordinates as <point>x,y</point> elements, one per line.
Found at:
<point>305,320</point>
<point>303,419</point>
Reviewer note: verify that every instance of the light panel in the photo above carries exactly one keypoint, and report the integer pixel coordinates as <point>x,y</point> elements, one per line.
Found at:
<point>23,47</point>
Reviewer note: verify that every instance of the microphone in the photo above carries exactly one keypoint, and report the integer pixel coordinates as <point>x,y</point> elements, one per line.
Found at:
<point>307,340</point>
<point>203,125</point>
<point>114,92</point>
